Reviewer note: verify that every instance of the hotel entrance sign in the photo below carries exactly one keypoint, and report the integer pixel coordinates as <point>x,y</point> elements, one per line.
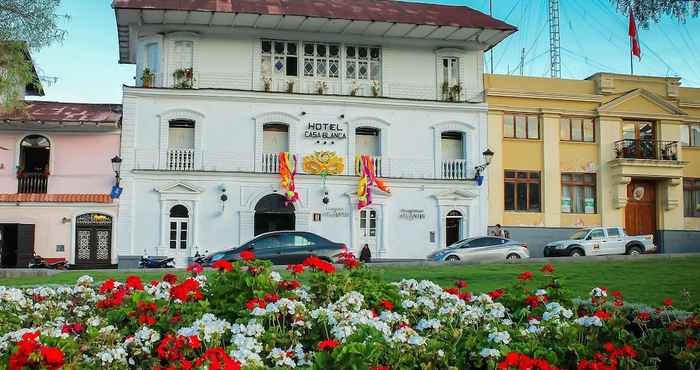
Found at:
<point>324,131</point>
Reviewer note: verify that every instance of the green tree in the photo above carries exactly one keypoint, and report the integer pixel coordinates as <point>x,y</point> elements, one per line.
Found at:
<point>25,25</point>
<point>647,11</point>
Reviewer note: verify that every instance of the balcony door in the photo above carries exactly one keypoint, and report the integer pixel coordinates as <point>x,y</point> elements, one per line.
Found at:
<point>33,171</point>
<point>639,139</point>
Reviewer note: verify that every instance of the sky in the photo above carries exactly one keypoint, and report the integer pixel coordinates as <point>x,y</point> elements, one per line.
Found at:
<point>84,68</point>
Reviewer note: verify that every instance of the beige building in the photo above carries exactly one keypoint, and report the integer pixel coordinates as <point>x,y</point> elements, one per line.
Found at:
<point>611,150</point>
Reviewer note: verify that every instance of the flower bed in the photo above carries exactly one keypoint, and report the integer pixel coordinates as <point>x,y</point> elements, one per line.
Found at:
<point>246,316</point>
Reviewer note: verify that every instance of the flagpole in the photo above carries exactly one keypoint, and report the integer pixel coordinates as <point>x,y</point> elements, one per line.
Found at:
<point>631,61</point>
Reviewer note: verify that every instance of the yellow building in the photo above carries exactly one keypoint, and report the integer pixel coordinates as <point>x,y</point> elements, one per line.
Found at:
<point>610,150</point>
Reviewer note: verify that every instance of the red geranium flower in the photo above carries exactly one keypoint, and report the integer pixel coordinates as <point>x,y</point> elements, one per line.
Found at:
<point>319,264</point>
<point>328,344</point>
<point>107,286</point>
<point>223,265</point>
<point>601,314</point>
<point>547,269</point>
<point>462,284</point>
<point>134,282</point>
<point>296,269</point>
<point>380,367</point>
<point>644,316</point>
<point>53,357</point>
<point>495,294</point>
<point>247,255</point>
<point>170,278</point>
<point>387,305</point>
<point>527,275</point>
<point>668,302</point>
<point>195,268</point>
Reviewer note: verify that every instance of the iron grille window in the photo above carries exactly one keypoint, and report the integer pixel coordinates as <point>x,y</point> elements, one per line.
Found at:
<point>578,193</point>
<point>691,197</point>
<point>523,191</point>
<point>521,126</point>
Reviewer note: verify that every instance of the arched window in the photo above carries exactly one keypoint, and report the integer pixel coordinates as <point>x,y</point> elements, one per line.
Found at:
<point>453,227</point>
<point>179,227</point>
<point>33,171</point>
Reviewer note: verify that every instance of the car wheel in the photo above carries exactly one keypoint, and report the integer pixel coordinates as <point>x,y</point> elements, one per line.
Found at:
<point>634,251</point>
<point>452,259</point>
<point>576,253</point>
<point>513,256</point>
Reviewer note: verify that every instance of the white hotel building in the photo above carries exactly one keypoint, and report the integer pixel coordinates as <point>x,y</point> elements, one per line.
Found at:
<point>401,82</point>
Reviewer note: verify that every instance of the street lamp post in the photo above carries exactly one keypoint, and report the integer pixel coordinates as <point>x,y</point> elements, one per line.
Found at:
<point>116,167</point>
<point>478,177</point>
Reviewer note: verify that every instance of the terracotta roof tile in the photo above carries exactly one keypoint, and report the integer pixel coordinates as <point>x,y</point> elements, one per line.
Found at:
<point>358,10</point>
<point>50,111</point>
<point>55,198</point>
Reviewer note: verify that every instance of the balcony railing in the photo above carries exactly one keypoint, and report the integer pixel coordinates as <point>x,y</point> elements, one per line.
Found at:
<point>270,163</point>
<point>455,169</point>
<point>180,159</point>
<point>376,163</point>
<point>32,183</point>
<point>647,149</point>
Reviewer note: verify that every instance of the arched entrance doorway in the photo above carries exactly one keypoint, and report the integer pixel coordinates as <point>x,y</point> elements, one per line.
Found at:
<point>93,239</point>
<point>272,214</point>
<point>453,227</point>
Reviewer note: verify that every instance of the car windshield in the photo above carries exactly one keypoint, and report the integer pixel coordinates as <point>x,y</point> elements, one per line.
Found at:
<point>579,235</point>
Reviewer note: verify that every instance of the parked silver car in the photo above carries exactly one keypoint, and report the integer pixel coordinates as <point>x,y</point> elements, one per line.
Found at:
<point>482,249</point>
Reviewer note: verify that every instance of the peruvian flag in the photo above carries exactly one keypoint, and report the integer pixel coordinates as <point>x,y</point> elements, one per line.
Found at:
<point>634,37</point>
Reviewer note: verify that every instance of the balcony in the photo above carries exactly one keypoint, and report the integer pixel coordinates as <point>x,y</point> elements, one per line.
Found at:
<point>376,163</point>
<point>32,183</point>
<point>180,160</point>
<point>647,149</point>
<point>455,169</point>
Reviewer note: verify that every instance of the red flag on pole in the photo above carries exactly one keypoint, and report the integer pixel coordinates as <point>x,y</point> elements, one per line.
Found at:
<point>634,39</point>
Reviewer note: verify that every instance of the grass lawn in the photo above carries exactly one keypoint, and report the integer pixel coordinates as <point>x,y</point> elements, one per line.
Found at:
<point>647,280</point>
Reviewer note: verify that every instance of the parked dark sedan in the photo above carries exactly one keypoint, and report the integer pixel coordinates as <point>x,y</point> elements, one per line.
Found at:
<point>284,247</point>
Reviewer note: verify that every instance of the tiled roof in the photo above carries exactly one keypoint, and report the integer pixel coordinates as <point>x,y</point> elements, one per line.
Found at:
<point>49,111</point>
<point>356,10</point>
<point>55,198</point>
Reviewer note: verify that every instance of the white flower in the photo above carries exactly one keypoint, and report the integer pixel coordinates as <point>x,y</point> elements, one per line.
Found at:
<point>275,276</point>
<point>490,352</point>
<point>502,337</point>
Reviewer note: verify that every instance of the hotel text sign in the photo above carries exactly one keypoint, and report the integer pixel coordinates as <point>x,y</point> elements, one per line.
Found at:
<point>324,131</point>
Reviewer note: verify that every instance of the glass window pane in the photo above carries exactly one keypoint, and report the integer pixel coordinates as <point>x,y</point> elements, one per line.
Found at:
<point>374,54</point>
<point>508,126</point>
<point>279,48</point>
<point>266,46</point>
<point>509,196</point>
<point>596,234</point>
<point>533,127</point>
<point>321,50</point>
<point>565,129</point>
<point>510,175</point>
<point>520,127</point>
<point>291,66</point>
<point>685,135</point>
<point>566,199</point>
<point>695,135</point>
<point>350,51</point>
<point>534,197</point>
<point>588,130</point>
<point>173,244</point>
<point>291,48</point>
<point>362,53</point>
<point>613,231</point>
<point>522,197</point>
<point>577,199</point>
<point>521,175</point>
<point>534,175</point>
<point>334,50</point>
<point>589,201</point>
<point>576,129</point>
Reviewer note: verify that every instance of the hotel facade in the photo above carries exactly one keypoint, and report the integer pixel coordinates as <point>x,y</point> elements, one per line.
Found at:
<point>222,89</point>
<point>610,150</point>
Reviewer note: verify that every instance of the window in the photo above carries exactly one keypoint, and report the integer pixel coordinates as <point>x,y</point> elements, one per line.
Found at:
<point>596,234</point>
<point>613,232</point>
<point>367,141</point>
<point>521,126</point>
<point>271,242</point>
<point>450,84</point>
<point>152,57</point>
<point>578,193</point>
<point>690,135</point>
<point>368,223</point>
<point>179,220</point>
<point>577,129</point>
<point>522,191</point>
<point>321,60</point>
<point>279,58</point>
<point>295,240</point>
<point>181,134</point>
<point>183,54</point>
<point>691,197</point>
<point>275,138</point>
<point>452,145</point>
<point>363,63</point>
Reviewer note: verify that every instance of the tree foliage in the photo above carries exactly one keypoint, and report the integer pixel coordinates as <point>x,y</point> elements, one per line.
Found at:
<point>25,25</point>
<point>648,11</point>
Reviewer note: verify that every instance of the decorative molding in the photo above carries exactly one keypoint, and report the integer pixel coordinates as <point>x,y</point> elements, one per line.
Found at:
<point>384,134</point>
<point>620,188</point>
<point>188,114</point>
<point>261,120</point>
<point>544,95</point>
<point>180,188</point>
<point>662,103</point>
<point>471,146</point>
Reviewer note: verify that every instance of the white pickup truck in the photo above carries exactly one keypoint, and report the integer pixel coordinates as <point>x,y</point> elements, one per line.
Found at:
<point>600,241</point>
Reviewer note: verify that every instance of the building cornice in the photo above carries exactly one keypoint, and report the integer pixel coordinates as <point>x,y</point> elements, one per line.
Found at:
<point>592,98</point>
<point>548,111</point>
<point>278,97</point>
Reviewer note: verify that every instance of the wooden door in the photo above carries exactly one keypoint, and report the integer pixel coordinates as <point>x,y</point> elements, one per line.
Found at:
<point>640,213</point>
<point>25,245</point>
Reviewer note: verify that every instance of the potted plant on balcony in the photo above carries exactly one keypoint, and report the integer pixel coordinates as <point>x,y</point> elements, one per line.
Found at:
<point>290,87</point>
<point>445,90</point>
<point>20,172</point>
<point>376,88</point>
<point>147,77</point>
<point>183,78</point>
<point>455,92</point>
<point>267,83</point>
<point>322,87</point>
<point>354,89</point>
